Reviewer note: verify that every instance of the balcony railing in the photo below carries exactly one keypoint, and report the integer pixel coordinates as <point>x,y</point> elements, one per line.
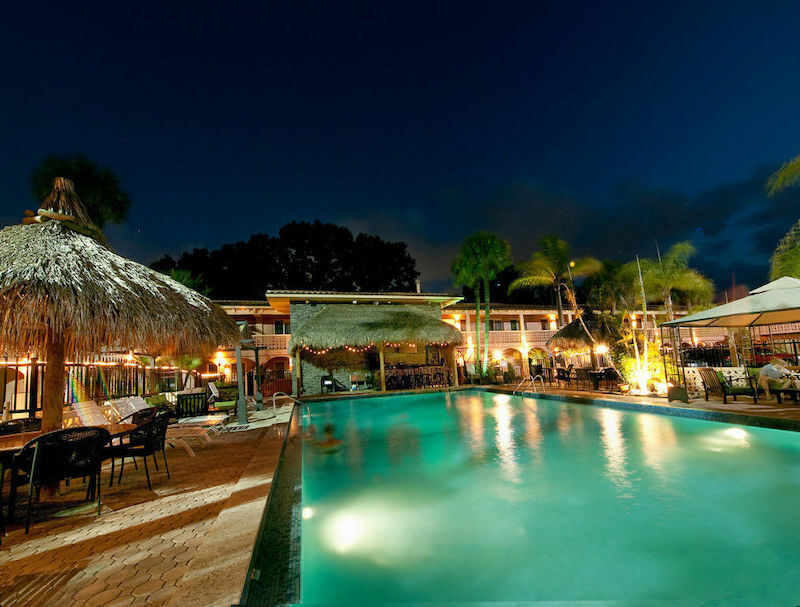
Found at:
<point>514,338</point>
<point>272,342</point>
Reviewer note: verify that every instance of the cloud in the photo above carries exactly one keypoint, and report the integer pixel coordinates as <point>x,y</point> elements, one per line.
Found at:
<point>735,226</point>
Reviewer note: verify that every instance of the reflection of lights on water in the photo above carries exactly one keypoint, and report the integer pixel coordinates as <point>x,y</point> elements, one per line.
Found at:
<point>739,433</point>
<point>501,399</point>
<point>505,440</point>
<point>657,437</point>
<point>614,447</point>
<point>728,439</point>
<point>343,531</point>
<point>308,513</point>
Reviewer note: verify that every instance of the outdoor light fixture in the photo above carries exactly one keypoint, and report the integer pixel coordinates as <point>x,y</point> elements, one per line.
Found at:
<point>498,355</point>
<point>601,349</point>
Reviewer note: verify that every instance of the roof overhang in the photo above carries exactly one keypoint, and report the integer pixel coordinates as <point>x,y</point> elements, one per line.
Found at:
<point>281,300</point>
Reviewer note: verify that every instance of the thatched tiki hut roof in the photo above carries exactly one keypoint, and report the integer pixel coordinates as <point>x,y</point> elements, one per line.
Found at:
<point>64,293</point>
<point>360,325</point>
<point>573,336</point>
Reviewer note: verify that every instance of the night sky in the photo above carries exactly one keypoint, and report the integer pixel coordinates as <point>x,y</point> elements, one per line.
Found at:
<point>611,124</point>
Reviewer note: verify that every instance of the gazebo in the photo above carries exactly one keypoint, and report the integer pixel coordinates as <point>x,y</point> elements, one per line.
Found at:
<point>64,293</point>
<point>756,318</point>
<point>350,332</point>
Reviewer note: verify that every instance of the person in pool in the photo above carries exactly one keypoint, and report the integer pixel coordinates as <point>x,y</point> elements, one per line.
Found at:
<point>329,443</point>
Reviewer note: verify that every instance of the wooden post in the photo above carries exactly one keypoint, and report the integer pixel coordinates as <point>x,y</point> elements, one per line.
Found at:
<point>53,397</point>
<point>298,374</point>
<point>454,365</point>
<point>383,367</point>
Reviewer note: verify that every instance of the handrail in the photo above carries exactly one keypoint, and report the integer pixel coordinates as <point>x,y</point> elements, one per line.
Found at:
<point>520,385</point>
<point>290,397</point>
<point>527,382</point>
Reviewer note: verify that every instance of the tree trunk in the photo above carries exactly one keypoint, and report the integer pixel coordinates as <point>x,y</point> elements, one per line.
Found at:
<point>485,325</point>
<point>477,290</point>
<point>558,304</point>
<point>53,398</point>
<point>668,305</point>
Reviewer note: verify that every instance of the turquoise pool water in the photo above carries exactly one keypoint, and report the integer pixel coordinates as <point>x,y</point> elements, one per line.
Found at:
<point>480,497</point>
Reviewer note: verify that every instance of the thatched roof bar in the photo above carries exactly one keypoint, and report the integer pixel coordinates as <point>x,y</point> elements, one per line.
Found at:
<point>358,326</point>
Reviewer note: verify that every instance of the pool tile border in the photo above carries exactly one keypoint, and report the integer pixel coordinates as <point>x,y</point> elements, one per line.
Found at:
<point>741,419</point>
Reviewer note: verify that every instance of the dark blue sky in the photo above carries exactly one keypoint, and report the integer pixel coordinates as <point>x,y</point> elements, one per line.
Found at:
<point>611,124</point>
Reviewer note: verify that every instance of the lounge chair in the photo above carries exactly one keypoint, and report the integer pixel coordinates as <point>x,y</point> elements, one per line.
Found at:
<point>90,414</point>
<point>714,382</point>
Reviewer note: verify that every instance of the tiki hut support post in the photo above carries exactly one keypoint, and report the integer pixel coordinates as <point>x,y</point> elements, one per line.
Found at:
<point>380,347</point>
<point>53,397</point>
<point>241,405</point>
<point>451,356</point>
<point>298,374</point>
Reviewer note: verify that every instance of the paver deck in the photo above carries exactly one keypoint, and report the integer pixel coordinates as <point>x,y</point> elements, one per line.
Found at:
<point>148,547</point>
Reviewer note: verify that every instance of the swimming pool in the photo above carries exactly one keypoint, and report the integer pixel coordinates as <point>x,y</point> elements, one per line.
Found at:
<point>472,497</point>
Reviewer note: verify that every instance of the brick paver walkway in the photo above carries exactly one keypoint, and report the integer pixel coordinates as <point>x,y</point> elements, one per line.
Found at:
<point>146,544</point>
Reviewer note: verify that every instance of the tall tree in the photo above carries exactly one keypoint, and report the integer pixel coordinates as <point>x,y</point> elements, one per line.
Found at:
<point>552,265</point>
<point>317,256</point>
<point>490,255</point>
<point>670,274</point>
<point>786,258</point>
<point>100,188</point>
<point>466,273</point>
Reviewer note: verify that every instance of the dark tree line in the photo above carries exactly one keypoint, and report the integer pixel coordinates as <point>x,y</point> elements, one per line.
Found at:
<point>315,256</point>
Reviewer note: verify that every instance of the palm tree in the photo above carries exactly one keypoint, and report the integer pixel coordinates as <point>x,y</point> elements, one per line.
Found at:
<point>553,266</point>
<point>483,255</point>
<point>467,274</point>
<point>785,177</point>
<point>100,189</point>
<point>786,258</point>
<point>187,279</point>
<point>671,274</point>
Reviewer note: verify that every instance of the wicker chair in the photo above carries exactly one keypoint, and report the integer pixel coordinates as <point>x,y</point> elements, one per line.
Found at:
<point>56,456</point>
<point>147,439</point>
<point>564,375</point>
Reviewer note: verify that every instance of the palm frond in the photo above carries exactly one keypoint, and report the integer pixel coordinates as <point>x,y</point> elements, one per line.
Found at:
<point>784,177</point>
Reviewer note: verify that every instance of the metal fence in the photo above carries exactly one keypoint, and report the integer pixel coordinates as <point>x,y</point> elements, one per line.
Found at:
<point>23,383</point>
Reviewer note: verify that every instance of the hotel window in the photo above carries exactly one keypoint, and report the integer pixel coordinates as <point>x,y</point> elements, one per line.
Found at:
<point>514,325</point>
<point>281,327</point>
<point>495,325</point>
<point>545,324</point>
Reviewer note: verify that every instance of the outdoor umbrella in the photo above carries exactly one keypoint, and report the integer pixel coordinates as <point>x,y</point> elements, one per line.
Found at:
<point>773,303</point>
<point>65,293</point>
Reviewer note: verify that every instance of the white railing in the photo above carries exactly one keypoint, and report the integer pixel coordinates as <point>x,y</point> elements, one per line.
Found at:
<point>514,338</point>
<point>272,342</point>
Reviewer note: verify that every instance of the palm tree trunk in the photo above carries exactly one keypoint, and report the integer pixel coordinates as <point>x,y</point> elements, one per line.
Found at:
<point>668,304</point>
<point>558,304</point>
<point>486,324</point>
<point>477,289</point>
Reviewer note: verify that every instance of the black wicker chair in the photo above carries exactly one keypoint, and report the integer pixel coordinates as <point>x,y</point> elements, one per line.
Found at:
<point>564,375</point>
<point>147,439</point>
<point>56,456</point>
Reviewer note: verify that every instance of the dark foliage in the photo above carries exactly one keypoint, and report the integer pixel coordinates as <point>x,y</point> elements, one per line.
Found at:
<point>316,256</point>
<point>499,291</point>
<point>99,188</point>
